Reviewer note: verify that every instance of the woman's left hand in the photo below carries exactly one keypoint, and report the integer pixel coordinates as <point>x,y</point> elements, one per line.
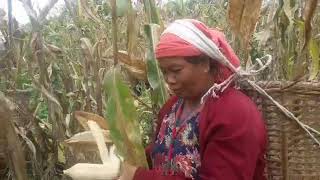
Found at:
<point>127,171</point>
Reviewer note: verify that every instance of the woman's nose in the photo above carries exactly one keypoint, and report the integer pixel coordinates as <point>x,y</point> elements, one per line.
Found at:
<point>170,79</point>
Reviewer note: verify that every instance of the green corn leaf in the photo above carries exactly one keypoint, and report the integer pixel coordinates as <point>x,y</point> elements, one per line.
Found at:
<point>123,119</point>
<point>155,77</point>
<point>151,11</point>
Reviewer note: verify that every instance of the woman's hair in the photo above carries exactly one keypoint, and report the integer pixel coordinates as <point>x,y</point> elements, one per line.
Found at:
<point>214,68</point>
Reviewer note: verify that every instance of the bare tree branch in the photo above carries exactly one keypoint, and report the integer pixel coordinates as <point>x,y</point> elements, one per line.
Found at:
<point>44,12</point>
<point>29,10</point>
<point>34,18</point>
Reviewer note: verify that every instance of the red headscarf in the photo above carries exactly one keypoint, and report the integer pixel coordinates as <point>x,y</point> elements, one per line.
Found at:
<point>171,45</point>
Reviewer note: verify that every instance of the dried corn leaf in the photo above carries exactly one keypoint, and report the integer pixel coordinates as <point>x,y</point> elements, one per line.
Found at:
<point>132,30</point>
<point>87,47</point>
<point>10,138</point>
<point>84,117</point>
<point>47,94</point>
<point>124,57</point>
<point>136,73</point>
<point>136,67</point>
<point>89,12</point>
<point>243,17</point>
<point>54,49</point>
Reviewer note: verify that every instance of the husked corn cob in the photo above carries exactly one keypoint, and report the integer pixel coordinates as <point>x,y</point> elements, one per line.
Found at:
<point>110,168</point>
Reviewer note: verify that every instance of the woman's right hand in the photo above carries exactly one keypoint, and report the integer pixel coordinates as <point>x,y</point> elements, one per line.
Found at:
<point>127,171</point>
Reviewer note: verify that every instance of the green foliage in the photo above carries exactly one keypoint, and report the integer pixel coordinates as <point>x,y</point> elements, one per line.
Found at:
<point>23,81</point>
<point>43,112</point>
<point>146,114</point>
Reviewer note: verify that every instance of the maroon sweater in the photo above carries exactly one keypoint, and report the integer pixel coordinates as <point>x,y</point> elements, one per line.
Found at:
<point>232,140</point>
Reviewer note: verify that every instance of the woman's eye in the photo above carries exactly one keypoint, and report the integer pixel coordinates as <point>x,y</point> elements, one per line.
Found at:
<point>176,70</point>
<point>163,71</point>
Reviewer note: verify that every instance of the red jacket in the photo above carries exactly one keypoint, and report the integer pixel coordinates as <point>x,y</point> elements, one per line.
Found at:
<point>232,140</point>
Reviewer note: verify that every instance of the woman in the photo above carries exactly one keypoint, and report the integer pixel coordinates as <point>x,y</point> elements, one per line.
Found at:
<point>204,131</point>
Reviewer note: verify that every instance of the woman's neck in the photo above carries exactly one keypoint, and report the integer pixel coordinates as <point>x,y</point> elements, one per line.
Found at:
<point>194,102</point>
<point>189,107</point>
<point>191,104</point>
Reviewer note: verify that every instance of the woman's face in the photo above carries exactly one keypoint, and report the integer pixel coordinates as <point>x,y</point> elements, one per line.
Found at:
<point>185,79</point>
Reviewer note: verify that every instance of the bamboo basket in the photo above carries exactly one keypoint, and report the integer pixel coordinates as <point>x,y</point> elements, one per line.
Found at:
<point>292,154</point>
<point>3,161</point>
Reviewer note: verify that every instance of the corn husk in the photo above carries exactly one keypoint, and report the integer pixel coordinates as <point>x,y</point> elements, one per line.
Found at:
<point>86,138</point>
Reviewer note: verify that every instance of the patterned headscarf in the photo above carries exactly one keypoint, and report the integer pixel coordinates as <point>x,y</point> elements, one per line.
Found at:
<point>189,38</point>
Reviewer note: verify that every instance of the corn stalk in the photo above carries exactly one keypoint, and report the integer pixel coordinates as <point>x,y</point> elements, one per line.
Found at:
<point>43,85</point>
<point>10,140</point>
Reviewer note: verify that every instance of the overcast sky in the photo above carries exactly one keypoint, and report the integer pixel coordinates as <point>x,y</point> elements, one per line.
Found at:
<point>19,12</point>
<point>21,16</point>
